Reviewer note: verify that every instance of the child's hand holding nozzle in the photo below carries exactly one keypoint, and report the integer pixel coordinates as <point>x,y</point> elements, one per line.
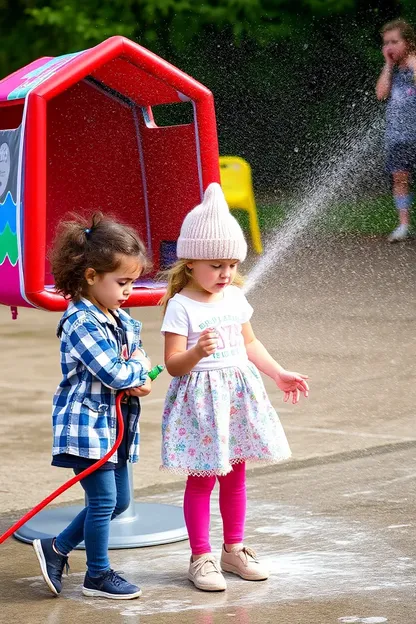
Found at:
<point>207,343</point>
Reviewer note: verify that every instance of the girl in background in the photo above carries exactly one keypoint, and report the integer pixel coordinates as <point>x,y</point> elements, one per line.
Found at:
<point>396,84</point>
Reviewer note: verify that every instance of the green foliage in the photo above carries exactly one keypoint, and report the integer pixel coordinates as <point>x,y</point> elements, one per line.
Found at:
<point>409,10</point>
<point>77,25</point>
<point>330,7</point>
<point>52,27</point>
<point>285,73</point>
<point>369,217</point>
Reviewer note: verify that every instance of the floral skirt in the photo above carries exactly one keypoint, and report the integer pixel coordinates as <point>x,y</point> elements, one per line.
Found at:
<point>215,418</point>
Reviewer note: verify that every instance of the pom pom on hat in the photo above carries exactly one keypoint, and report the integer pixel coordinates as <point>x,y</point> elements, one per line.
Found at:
<point>210,232</point>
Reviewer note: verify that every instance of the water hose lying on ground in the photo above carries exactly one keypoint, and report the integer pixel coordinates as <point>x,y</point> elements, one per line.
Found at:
<point>152,374</point>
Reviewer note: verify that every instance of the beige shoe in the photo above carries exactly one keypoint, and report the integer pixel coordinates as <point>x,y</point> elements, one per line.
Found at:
<point>243,561</point>
<point>205,574</point>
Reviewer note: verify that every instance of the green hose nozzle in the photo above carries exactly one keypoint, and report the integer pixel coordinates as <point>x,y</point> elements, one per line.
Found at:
<point>155,371</point>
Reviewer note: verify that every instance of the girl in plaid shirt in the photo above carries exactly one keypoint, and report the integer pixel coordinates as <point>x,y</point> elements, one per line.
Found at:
<point>95,266</point>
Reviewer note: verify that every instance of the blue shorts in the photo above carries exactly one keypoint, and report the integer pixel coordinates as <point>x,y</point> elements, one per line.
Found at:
<point>401,157</point>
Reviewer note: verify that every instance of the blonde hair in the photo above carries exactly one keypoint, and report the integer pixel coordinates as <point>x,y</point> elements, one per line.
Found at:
<point>406,31</point>
<point>178,277</point>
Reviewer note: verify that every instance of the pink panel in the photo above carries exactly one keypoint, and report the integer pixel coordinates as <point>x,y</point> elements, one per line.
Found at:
<point>10,83</point>
<point>10,285</point>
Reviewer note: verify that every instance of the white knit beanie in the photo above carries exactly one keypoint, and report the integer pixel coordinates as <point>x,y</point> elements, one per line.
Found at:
<point>210,232</point>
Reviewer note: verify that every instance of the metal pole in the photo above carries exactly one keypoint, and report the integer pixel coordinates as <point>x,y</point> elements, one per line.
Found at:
<point>142,524</point>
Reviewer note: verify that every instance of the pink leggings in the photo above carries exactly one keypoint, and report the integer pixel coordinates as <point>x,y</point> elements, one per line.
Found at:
<point>233,500</point>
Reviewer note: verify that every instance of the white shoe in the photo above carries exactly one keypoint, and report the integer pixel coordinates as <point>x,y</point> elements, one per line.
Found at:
<point>244,562</point>
<point>401,233</point>
<point>206,574</point>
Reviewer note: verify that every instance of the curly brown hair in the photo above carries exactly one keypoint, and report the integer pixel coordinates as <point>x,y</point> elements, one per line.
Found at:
<point>406,31</point>
<point>98,243</point>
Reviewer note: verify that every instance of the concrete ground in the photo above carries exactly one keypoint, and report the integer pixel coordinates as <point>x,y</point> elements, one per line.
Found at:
<point>335,523</point>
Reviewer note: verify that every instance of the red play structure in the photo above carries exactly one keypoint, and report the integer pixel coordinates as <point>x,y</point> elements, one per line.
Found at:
<point>88,141</point>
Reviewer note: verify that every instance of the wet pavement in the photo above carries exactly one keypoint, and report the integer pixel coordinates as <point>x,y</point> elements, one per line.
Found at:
<point>339,538</point>
<point>336,524</point>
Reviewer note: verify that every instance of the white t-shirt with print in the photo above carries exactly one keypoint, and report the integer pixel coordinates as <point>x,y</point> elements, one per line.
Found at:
<point>189,318</point>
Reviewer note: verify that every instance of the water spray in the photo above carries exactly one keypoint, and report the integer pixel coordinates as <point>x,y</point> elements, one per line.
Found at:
<point>332,176</point>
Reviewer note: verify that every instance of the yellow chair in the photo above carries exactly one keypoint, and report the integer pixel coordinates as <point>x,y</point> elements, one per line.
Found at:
<point>237,185</point>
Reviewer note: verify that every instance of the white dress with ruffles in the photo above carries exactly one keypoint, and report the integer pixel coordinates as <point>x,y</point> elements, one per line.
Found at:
<point>219,414</point>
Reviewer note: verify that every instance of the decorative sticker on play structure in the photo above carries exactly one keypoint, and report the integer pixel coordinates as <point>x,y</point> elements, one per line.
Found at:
<point>20,83</point>
<point>4,166</point>
<point>9,160</point>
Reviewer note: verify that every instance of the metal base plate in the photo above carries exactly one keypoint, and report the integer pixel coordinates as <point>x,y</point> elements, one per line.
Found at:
<point>146,524</point>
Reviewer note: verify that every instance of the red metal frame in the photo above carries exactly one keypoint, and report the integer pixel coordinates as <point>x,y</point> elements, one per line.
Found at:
<point>34,226</point>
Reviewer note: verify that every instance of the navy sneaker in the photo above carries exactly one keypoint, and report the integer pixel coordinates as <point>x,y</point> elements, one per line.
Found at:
<point>51,564</point>
<point>110,585</point>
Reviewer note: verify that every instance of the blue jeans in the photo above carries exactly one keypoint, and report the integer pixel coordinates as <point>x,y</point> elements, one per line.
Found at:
<point>108,496</point>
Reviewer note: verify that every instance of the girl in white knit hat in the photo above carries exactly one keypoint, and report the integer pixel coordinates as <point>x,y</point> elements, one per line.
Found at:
<point>217,415</point>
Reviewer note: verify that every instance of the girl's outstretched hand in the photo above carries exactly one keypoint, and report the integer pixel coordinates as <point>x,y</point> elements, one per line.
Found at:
<point>292,384</point>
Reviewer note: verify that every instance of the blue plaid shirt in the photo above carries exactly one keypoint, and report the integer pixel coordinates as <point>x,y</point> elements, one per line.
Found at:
<point>93,369</point>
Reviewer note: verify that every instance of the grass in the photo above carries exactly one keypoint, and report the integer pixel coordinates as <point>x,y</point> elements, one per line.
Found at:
<point>369,217</point>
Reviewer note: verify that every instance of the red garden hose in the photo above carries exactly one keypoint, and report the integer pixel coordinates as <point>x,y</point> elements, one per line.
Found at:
<point>152,374</point>
<point>75,479</point>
